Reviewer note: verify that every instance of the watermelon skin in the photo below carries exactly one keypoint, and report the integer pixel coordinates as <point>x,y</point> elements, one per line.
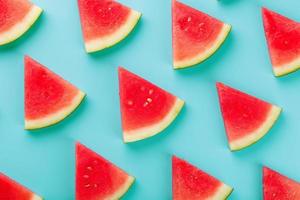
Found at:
<point>189,182</point>
<point>279,187</point>
<point>48,97</point>
<point>105,23</point>
<point>283,39</point>
<point>246,118</point>
<point>196,35</point>
<point>16,17</point>
<point>97,178</point>
<point>11,190</point>
<point>146,109</point>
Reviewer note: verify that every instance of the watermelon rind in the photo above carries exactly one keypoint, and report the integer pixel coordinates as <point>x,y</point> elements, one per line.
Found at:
<point>287,68</point>
<point>112,39</point>
<point>57,116</point>
<point>179,64</point>
<point>20,28</point>
<point>145,132</point>
<point>36,197</point>
<point>256,135</point>
<point>222,193</point>
<point>122,190</point>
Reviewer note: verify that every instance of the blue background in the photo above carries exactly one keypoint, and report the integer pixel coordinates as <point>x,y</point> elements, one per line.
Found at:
<point>44,160</point>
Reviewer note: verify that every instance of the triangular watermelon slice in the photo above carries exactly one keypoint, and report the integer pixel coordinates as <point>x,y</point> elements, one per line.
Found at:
<point>246,118</point>
<point>11,190</point>
<point>283,38</point>
<point>196,35</point>
<point>145,108</point>
<point>97,178</point>
<point>105,23</point>
<point>189,182</point>
<point>48,97</point>
<point>279,187</point>
<point>16,17</point>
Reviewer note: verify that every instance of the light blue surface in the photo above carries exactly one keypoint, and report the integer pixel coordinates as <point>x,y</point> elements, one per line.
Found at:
<point>43,160</point>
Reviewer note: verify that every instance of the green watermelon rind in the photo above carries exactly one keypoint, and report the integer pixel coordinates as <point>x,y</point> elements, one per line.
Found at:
<point>256,135</point>
<point>287,68</point>
<point>21,27</point>
<point>222,193</point>
<point>116,37</point>
<point>146,132</point>
<point>122,191</point>
<point>57,116</point>
<point>180,64</point>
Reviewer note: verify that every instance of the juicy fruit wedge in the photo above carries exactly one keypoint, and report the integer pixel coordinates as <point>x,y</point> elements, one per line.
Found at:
<point>283,39</point>
<point>196,35</point>
<point>11,190</point>
<point>145,108</point>
<point>97,178</point>
<point>48,97</point>
<point>16,17</point>
<point>246,118</point>
<point>190,182</point>
<point>105,23</point>
<point>279,187</point>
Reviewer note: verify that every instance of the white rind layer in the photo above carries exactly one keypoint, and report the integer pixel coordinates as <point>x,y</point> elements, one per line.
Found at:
<point>105,42</point>
<point>20,28</point>
<point>287,68</point>
<point>122,190</point>
<point>223,192</point>
<point>258,133</point>
<point>204,55</point>
<point>142,133</point>
<point>55,117</point>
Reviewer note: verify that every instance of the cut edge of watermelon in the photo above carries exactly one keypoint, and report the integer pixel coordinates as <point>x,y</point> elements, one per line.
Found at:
<point>20,28</point>
<point>259,132</point>
<point>102,43</point>
<point>121,192</point>
<point>146,132</point>
<point>36,197</point>
<point>55,117</point>
<point>223,192</point>
<point>207,53</point>
<point>287,68</point>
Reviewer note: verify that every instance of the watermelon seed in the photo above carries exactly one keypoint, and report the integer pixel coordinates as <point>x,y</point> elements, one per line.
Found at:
<point>89,168</point>
<point>149,100</point>
<point>109,8</point>
<point>146,104</point>
<point>189,19</point>
<point>87,185</point>
<point>85,176</point>
<point>150,91</point>
<point>95,185</point>
<point>130,103</point>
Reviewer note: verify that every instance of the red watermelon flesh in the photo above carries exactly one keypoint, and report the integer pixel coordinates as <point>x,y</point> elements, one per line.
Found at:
<point>283,38</point>
<point>190,182</point>
<point>279,187</point>
<point>145,108</point>
<point>97,178</point>
<point>105,22</point>
<point>48,97</point>
<point>196,35</point>
<point>11,190</point>
<point>16,16</point>
<point>246,118</point>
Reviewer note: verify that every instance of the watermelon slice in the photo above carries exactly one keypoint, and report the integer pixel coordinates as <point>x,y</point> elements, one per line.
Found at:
<point>105,23</point>
<point>246,118</point>
<point>196,35</point>
<point>11,190</point>
<point>190,182</point>
<point>48,97</point>
<point>97,178</point>
<point>16,17</point>
<point>145,108</point>
<point>279,187</point>
<point>283,38</point>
